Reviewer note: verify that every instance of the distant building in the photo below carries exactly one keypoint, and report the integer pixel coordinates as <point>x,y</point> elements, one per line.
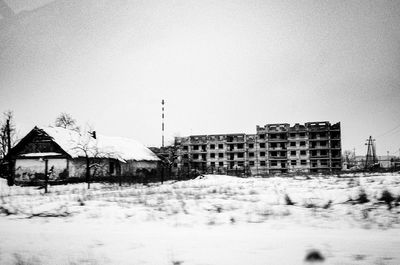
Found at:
<point>275,148</point>
<point>67,153</point>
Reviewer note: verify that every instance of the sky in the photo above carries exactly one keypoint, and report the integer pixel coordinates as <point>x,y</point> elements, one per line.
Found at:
<point>221,66</point>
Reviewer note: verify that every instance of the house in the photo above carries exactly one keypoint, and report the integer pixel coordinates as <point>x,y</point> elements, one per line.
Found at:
<point>67,153</point>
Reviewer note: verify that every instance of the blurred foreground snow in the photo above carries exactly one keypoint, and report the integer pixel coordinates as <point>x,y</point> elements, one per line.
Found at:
<point>209,220</point>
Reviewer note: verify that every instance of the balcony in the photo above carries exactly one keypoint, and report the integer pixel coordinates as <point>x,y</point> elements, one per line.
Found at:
<point>318,138</point>
<point>235,159</point>
<point>278,148</point>
<point>241,150</point>
<point>275,140</point>
<point>277,157</point>
<point>318,156</point>
<point>318,147</point>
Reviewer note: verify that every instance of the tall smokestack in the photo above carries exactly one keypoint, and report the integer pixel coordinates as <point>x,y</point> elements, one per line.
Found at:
<point>162,125</point>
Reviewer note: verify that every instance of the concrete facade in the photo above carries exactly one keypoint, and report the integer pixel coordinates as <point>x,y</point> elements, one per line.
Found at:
<point>275,148</point>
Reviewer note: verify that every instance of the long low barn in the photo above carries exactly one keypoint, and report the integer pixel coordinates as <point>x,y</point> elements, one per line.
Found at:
<point>69,153</point>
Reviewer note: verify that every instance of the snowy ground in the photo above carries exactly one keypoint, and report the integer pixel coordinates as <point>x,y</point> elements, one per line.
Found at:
<point>209,220</point>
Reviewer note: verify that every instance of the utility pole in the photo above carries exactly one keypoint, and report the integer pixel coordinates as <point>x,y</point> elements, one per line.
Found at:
<point>370,158</point>
<point>10,180</point>
<point>388,158</point>
<point>46,174</point>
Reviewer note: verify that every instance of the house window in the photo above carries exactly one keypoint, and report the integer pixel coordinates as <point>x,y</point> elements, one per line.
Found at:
<point>273,145</point>
<point>240,146</point>
<point>293,162</point>
<point>274,163</point>
<point>324,162</point>
<point>292,143</point>
<point>303,152</point>
<point>302,134</point>
<point>323,153</point>
<point>195,156</point>
<point>251,154</point>
<point>262,145</point>
<point>212,146</point>
<point>212,164</point>
<point>274,153</point>
<point>262,153</point>
<point>292,153</point>
<point>186,156</point>
<point>303,162</point>
<point>302,143</point>
<point>251,163</point>
<point>203,156</point>
<point>262,163</point>
<point>220,155</point>
<point>195,147</point>
<point>221,164</point>
<point>241,164</point>
<point>185,147</point>
<point>240,155</point>
<point>262,136</point>
<point>251,146</point>
<point>212,155</point>
<point>220,146</point>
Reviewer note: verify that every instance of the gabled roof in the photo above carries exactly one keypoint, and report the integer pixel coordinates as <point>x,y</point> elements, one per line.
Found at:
<point>119,148</point>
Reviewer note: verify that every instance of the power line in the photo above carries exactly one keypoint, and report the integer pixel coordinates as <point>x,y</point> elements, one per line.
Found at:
<point>389,131</point>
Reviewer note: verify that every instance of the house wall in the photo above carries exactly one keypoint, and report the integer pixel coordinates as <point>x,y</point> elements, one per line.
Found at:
<point>132,166</point>
<point>77,167</point>
<point>25,169</point>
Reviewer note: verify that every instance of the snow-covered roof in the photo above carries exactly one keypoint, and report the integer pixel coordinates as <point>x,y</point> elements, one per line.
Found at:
<point>41,154</point>
<point>75,144</point>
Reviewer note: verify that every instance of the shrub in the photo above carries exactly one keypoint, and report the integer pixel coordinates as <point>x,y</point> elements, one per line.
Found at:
<point>313,256</point>
<point>309,204</point>
<point>327,205</point>
<point>388,198</point>
<point>288,201</point>
<point>362,197</point>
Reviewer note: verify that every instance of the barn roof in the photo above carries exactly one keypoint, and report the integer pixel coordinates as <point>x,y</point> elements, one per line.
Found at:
<point>75,144</point>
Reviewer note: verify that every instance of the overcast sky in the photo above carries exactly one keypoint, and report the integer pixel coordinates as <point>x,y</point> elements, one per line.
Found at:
<point>221,66</point>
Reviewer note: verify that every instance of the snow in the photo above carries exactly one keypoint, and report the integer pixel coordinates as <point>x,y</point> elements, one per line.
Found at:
<point>41,154</point>
<point>115,147</point>
<point>214,219</point>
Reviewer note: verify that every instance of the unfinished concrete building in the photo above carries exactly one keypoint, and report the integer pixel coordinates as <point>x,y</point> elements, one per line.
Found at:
<point>275,148</point>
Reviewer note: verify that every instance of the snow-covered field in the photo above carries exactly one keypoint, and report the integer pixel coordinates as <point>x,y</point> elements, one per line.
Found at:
<point>209,220</point>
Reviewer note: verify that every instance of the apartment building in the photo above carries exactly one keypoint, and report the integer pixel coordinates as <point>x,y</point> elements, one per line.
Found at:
<point>274,148</point>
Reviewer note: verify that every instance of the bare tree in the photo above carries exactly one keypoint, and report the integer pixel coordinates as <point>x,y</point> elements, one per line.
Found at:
<point>65,120</point>
<point>94,156</point>
<point>7,141</point>
<point>8,118</point>
<point>349,158</point>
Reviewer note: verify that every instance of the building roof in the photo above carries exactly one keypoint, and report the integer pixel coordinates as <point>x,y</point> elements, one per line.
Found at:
<point>75,144</point>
